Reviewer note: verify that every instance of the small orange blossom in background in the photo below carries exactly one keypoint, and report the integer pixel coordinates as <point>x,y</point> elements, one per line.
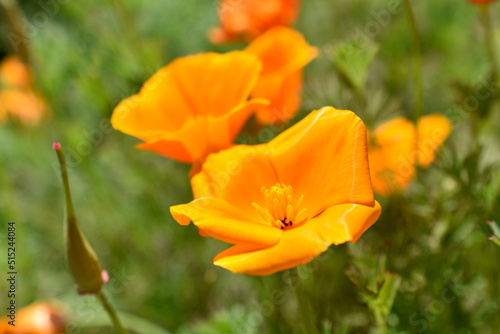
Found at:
<point>193,107</point>
<point>37,318</point>
<point>283,53</point>
<point>393,149</point>
<point>243,20</point>
<point>17,98</point>
<point>285,202</point>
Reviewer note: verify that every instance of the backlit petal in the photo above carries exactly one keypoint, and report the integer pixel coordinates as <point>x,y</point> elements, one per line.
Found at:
<point>324,157</point>
<point>338,224</point>
<point>284,92</point>
<point>283,53</point>
<point>432,132</point>
<point>236,175</point>
<point>217,218</point>
<point>246,19</point>
<point>192,107</point>
<point>216,83</point>
<point>392,156</point>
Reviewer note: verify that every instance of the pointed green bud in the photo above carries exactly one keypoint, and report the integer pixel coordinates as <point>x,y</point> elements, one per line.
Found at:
<point>496,232</point>
<point>82,260</point>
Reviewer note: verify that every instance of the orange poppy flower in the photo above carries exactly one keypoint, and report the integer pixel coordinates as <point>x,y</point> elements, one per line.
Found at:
<point>37,318</point>
<point>24,105</point>
<point>285,202</point>
<point>16,97</point>
<point>247,19</point>
<point>393,149</point>
<point>283,53</point>
<point>13,72</point>
<point>193,107</point>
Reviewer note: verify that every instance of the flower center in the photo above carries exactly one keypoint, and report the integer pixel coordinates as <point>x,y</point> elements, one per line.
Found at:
<point>282,209</point>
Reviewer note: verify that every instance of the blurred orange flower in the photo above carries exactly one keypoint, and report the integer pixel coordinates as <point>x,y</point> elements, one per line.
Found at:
<point>14,73</point>
<point>283,53</point>
<point>17,98</point>
<point>247,19</point>
<point>193,107</point>
<point>37,318</point>
<point>393,149</point>
<point>285,202</point>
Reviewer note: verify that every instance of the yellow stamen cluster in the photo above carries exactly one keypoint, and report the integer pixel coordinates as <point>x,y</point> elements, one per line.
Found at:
<point>281,208</point>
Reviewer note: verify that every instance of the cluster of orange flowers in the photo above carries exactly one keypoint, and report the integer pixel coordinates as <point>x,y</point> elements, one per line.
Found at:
<point>17,97</point>
<point>284,202</point>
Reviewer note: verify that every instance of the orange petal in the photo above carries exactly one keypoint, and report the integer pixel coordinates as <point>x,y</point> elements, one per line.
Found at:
<point>246,19</point>
<point>284,93</point>
<point>324,157</point>
<point>160,107</point>
<point>235,175</point>
<point>432,132</point>
<point>282,50</point>
<point>37,318</point>
<point>392,156</point>
<point>179,111</point>
<point>216,218</point>
<point>338,224</point>
<point>284,53</point>
<point>15,73</point>
<point>23,104</point>
<point>187,145</point>
<point>214,84</point>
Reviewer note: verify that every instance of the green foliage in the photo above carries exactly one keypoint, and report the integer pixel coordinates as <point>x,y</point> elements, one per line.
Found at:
<point>352,60</point>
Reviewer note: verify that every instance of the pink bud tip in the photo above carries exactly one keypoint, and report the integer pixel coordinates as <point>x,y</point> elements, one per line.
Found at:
<point>490,222</point>
<point>105,276</point>
<point>492,237</point>
<point>56,146</point>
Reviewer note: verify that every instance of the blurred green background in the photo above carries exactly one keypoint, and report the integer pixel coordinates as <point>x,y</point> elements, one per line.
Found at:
<point>88,55</point>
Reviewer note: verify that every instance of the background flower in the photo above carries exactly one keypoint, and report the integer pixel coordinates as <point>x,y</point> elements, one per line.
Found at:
<point>192,107</point>
<point>283,52</point>
<point>247,19</point>
<point>17,97</point>
<point>394,147</point>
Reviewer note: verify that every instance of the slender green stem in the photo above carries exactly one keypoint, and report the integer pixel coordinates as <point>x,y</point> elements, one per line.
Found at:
<point>489,42</point>
<point>111,312</point>
<point>381,322</point>
<point>304,306</point>
<point>417,62</point>
<point>15,18</point>
<point>417,73</point>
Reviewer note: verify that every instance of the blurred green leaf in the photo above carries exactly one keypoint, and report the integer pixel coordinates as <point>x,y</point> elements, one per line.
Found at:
<point>352,59</point>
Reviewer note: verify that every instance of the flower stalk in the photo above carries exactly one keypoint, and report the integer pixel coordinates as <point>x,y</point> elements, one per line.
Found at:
<point>489,42</point>
<point>82,260</point>
<point>15,18</point>
<point>304,307</point>
<point>111,312</point>
<point>417,62</point>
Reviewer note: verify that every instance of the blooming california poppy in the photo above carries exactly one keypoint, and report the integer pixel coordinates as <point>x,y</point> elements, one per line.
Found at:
<point>17,98</point>
<point>37,318</point>
<point>247,19</point>
<point>393,149</point>
<point>283,53</point>
<point>193,107</point>
<point>283,203</point>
